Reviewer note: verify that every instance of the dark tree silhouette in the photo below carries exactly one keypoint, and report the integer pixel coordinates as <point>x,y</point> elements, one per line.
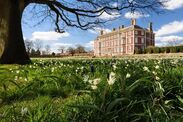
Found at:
<point>61,49</point>
<point>82,14</point>
<point>71,50</point>
<point>80,49</point>
<point>29,46</point>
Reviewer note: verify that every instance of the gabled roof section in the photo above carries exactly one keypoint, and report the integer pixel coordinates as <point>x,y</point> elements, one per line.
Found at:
<point>138,27</point>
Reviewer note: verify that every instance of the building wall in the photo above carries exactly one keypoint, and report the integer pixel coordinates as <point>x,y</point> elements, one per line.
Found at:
<point>123,41</point>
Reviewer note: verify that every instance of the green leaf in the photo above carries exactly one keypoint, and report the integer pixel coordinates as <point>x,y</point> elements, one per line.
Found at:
<point>136,84</point>
<point>114,103</point>
<point>86,107</point>
<point>179,98</point>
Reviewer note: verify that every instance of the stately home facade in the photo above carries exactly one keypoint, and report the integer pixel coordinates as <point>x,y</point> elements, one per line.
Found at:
<point>124,40</point>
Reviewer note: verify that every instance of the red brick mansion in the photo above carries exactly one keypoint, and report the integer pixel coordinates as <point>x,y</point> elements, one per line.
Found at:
<point>124,40</point>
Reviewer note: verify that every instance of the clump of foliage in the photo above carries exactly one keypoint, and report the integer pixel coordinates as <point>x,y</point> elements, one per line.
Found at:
<point>168,49</point>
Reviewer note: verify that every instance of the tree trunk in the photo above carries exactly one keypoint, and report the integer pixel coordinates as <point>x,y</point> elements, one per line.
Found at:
<point>11,37</point>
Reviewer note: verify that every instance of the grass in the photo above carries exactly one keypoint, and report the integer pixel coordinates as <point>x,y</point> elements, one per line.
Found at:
<point>93,90</point>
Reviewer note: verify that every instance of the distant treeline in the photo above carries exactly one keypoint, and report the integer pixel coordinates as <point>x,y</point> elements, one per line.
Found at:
<point>152,49</point>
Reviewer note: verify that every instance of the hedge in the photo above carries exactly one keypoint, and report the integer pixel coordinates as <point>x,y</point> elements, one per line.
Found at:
<point>170,49</point>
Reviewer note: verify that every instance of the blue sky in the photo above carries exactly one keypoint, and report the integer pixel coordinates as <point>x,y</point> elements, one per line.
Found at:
<point>167,26</point>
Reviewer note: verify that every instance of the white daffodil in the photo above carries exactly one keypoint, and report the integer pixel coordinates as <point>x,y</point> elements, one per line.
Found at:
<point>24,111</point>
<point>145,68</point>
<point>16,78</point>
<point>52,69</point>
<point>128,75</point>
<point>90,81</point>
<point>114,67</point>
<point>94,87</point>
<point>96,81</point>
<point>17,71</point>
<point>85,78</point>
<point>157,78</point>
<point>111,79</point>
<point>154,73</point>
<point>157,67</point>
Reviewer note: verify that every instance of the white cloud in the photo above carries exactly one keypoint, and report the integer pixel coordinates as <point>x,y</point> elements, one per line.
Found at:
<point>115,4</point>
<point>106,16</point>
<point>98,29</point>
<point>173,4</point>
<point>171,38</point>
<point>106,30</point>
<point>48,36</point>
<point>89,44</point>
<point>55,46</point>
<point>170,28</point>
<point>159,44</point>
<point>135,15</point>
<point>93,31</point>
<point>62,44</point>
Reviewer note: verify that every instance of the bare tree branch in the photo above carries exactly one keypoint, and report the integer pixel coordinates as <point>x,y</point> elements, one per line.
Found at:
<point>85,14</point>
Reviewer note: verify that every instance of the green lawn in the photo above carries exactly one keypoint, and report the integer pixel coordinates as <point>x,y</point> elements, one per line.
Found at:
<point>93,90</point>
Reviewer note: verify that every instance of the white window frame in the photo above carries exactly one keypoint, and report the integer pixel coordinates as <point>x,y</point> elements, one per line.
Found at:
<point>121,49</point>
<point>142,40</point>
<point>136,40</point>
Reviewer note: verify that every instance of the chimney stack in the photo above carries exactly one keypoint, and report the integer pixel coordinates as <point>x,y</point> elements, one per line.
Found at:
<point>121,27</point>
<point>133,21</point>
<point>114,29</point>
<point>101,32</point>
<point>150,26</point>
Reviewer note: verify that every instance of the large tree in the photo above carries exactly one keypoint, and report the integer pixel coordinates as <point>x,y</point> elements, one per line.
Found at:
<point>82,14</point>
<point>80,49</point>
<point>61,49</point>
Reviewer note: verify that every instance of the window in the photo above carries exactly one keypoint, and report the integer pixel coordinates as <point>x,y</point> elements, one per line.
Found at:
<point>121,41</point>
<point>136,32</point>
<point>139,40</point>
<point>121,49</point>
<point>136,40</point>
<point>142,40</point>
<point>129,48</point>
<point>124,41</point>
<point>142,32</point>
<point>129,40</point>
<point>99,44</point>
